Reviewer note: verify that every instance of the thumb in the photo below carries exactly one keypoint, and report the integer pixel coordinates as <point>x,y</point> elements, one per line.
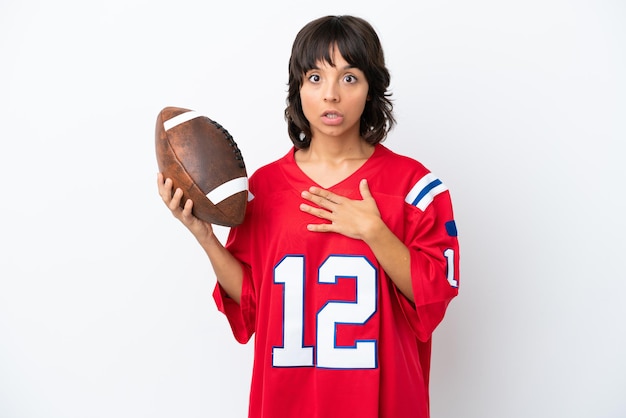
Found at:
<point>365,190</point>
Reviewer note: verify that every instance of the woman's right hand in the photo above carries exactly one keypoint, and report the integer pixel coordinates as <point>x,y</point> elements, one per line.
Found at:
<point>200,229</point>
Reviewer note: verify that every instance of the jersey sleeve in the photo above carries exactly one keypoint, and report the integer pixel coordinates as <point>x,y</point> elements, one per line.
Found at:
<point>434,251</point>
<point>240,315</point>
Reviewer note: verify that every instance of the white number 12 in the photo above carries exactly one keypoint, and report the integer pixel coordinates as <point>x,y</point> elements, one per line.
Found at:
<point>293,353</point>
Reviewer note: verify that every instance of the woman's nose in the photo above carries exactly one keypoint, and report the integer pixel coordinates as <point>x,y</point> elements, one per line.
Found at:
<point>331,93</point>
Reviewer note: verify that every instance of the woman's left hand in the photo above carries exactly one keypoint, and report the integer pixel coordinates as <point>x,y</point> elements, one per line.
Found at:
<point>357,219</point>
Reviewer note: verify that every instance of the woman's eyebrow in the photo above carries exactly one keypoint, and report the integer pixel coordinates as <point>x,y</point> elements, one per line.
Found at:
<point>346,67</point>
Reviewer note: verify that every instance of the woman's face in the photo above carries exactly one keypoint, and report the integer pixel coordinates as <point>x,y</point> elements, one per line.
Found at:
<point>333,98</point>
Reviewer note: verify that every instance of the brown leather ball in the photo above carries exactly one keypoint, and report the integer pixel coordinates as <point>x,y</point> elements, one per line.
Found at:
<point>202,159</point>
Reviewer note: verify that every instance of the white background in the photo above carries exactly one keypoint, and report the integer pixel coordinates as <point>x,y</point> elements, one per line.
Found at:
<point>105,299</point>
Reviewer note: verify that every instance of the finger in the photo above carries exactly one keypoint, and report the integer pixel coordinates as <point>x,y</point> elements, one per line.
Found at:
<point>187,208</point>
<point>319,200</point>
<point>160,183</point>
<point>165,189</point>
<point>174,203</point>
<point>365,189</point>
<point>161,180</point>
<point>320,213</point>
<point>325,194</point>
<point>320,227</point>
<point>325,204</point>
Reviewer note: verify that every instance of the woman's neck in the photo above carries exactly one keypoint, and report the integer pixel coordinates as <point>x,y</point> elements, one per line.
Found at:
<point>328,163</point>
<point>336,151</point>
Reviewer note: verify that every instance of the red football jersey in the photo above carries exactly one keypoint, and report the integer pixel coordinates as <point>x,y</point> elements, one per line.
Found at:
<point>334,337</point>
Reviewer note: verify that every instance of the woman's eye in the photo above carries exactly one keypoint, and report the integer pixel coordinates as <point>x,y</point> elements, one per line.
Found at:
<point>314,78</point>
<point>350,79</point>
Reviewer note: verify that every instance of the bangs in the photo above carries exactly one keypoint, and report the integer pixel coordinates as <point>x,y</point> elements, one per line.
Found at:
<point>323,40</point>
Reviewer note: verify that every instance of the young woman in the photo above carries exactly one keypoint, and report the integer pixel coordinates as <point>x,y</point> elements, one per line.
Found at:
<point>348,255</point>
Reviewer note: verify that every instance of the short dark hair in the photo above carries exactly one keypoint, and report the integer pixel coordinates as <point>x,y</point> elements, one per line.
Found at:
<point>360,46</point>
